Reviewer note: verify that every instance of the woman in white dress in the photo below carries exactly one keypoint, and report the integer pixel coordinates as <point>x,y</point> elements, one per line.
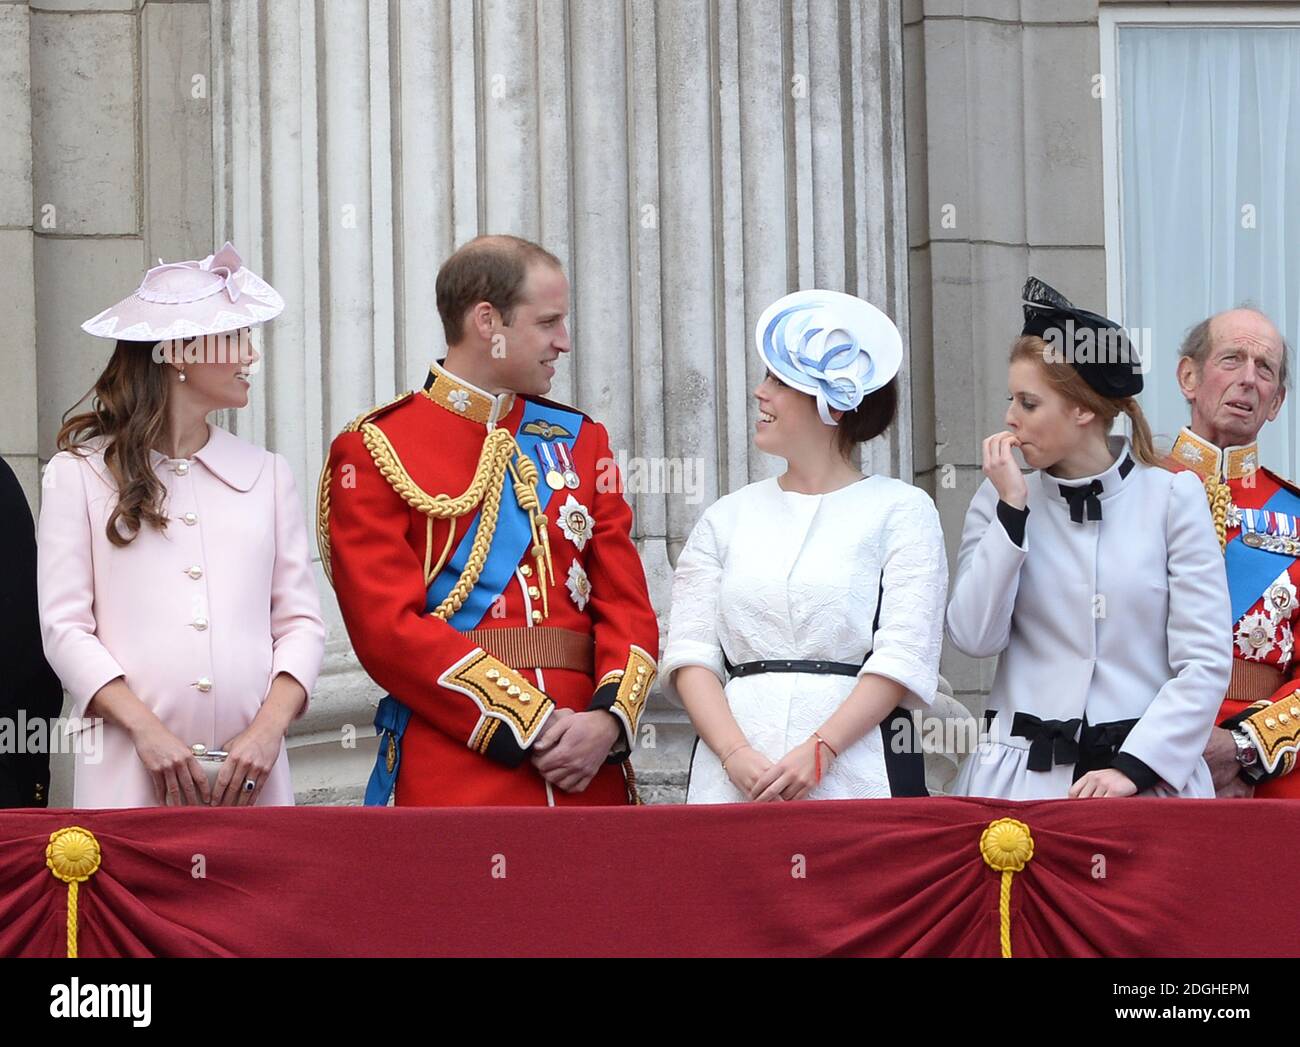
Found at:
<point>807,609</point>
<point>1097,580</point>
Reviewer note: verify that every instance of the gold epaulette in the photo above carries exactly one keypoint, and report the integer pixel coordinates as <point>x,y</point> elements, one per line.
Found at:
<point>323,486</point>
<point>375,412</point>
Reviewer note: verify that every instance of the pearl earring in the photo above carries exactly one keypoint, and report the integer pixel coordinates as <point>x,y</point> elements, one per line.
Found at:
<point>181,376</point>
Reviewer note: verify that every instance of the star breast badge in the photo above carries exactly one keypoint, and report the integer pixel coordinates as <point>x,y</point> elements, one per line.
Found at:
<point>576,522</point>
<point>1281,598</point>
<point>579,585</point>
<point>1254,636</point>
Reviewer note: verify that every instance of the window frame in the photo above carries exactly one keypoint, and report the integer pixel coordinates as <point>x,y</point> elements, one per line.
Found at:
<point>1110,20</point>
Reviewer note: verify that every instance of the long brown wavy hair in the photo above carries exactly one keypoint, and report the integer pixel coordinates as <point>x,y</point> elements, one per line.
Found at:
<point>128,406</point>
<point>1067,381</point>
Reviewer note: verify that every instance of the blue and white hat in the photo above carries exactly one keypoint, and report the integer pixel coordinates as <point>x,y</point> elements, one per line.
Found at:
<point>832,346</point>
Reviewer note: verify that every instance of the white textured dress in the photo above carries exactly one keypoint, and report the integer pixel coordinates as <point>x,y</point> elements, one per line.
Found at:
<point>1121,621</point>
<point>772,574</point>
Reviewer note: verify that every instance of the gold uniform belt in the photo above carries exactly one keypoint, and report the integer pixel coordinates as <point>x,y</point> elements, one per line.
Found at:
<point>539,647</point>
<point>1253,681</point>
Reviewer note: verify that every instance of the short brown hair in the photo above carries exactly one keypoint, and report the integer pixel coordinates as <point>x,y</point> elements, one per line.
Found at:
<point>487,269</point>
<point>869,419</point>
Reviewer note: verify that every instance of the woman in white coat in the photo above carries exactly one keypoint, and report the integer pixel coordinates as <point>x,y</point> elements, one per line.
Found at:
<point>1097,581</point>
<point>807,609</point>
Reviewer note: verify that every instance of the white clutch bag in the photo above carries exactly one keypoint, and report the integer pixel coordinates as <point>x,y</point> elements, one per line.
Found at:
<point>210,760</point>
<point>211,764</point>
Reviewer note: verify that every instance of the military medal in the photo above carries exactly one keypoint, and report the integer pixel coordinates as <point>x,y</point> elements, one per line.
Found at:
<point>576,522</point>
<point>571,480</point>
<point>554,480</point>
<point>1271,531</point>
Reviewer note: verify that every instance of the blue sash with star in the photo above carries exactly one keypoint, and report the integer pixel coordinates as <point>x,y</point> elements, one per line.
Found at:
<point>1252,570</point>
<point>510,541</point>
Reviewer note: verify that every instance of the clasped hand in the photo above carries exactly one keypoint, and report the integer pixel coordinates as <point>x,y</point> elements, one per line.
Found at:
<point>573,747</point>
<point>180,781</point>
<point>790,778</point>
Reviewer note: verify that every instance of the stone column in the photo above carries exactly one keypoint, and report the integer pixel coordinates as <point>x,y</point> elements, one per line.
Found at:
<point>106,166</point>
<point>689,161</point>
<point>18,419</point>
<point>1005,179</point>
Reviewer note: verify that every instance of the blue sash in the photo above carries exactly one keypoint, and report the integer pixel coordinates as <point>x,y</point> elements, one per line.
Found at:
<point>510,541</point>
<point>1252,571</point>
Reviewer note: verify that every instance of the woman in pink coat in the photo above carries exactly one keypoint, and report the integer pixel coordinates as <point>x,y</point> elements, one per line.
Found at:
<point>176,591</point>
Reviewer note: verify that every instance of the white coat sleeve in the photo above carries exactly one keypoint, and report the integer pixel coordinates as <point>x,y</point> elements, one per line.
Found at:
<point>988,578</point>
<point>914,586</point>
<point>693,616</point>
<point>1171,735</point>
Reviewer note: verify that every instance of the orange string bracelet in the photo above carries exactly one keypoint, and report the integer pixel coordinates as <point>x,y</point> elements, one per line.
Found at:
<point>817,753</point>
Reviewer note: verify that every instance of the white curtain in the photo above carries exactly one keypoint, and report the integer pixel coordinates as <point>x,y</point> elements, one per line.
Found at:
<point>1210,174</point>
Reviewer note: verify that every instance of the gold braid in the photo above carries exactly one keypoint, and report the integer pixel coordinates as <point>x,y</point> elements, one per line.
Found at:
<point>485,489</point>
<point>1219,495</point>
<point>323,488</point>
<point>524,472</point>
<point>323,519</point>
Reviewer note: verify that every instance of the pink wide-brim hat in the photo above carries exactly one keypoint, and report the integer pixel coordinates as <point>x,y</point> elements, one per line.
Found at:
<point>190,299</point>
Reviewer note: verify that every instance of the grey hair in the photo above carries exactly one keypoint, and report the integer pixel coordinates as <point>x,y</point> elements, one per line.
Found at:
<point>1196,344</point>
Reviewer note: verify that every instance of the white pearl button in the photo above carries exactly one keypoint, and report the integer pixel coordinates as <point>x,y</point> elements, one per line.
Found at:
<point>195,572</point>
<point>200,624</point>
<point>204,684</point>
<point>190,518</point>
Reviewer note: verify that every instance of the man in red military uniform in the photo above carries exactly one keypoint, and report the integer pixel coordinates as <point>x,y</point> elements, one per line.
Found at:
<point>1233,371</point>
<point>479,544</point>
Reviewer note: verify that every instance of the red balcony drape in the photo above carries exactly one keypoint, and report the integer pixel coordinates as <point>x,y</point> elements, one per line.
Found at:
<point>853,878</point>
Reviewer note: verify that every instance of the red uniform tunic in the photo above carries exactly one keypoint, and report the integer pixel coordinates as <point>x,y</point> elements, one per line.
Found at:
<point>1263,563</point>
<point>475,716</point>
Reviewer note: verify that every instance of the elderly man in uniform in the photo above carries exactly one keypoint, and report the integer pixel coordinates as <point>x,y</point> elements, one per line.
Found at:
<point>1233,370</point>
<point>480,547</point>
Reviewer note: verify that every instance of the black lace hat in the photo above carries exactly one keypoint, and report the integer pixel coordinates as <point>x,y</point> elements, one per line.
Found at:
<point>1097,348</point>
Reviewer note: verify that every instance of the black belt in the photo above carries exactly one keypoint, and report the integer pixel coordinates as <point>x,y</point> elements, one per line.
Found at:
<point>788,665</point>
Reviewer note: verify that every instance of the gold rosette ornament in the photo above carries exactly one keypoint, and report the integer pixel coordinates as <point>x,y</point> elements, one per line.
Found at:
<point>73,857</point>
<point>1007,847</point>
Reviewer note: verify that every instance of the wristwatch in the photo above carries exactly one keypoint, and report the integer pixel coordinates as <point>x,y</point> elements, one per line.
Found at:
<point>1247,755</point>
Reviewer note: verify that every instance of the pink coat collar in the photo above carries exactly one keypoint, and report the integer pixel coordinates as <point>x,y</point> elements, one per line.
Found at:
<point>234,461</point>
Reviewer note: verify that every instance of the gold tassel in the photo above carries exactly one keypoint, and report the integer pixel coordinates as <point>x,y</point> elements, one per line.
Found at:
<point>1007,847</point>
<point>73,856</point>
<point>1219,495</point>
